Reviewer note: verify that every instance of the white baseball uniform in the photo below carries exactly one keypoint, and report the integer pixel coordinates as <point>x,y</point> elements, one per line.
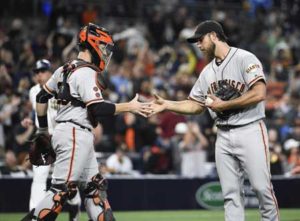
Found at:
<point>242,140</point>
<point>72,138</point>
<point>40,174</point>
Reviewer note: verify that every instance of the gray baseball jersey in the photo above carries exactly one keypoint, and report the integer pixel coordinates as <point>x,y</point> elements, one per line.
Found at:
<point>241,147</point>
<point>83,86</point>
<point>241,69</point>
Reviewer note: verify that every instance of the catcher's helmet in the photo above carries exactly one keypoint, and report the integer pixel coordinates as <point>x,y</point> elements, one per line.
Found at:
<point>99,42</point>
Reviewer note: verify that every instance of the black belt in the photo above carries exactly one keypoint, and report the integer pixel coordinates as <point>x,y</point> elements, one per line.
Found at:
<point>229,127</point>
<point>73,122</point>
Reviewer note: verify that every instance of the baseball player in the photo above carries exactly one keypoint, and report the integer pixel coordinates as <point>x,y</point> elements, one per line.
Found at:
<point>40,173</point>
<point>77,87</point>
<point>242,141</point>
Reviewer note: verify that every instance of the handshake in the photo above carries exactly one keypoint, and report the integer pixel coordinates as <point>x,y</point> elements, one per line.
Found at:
<point>147,109</point>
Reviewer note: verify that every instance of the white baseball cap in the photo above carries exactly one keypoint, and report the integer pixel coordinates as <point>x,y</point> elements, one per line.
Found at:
<point>291,143</point>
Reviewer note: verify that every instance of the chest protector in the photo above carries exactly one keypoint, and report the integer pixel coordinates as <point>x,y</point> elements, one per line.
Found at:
<point>64,95</point>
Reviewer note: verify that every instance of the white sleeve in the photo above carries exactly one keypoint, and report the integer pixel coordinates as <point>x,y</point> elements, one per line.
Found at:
<point>252,70</point>
<point>32,97</point>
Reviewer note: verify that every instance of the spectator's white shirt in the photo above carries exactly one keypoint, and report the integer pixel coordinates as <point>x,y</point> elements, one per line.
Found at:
<point>112,162</point>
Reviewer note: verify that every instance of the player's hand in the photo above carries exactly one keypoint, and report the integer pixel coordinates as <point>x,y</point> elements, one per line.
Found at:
<point>140,108</point>
<point>157,105</point>
<point>217,105</point>
<point>27,122</point>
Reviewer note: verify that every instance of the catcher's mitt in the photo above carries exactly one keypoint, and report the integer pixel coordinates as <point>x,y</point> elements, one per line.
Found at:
<point>226,92</point>
<point>41,152</point>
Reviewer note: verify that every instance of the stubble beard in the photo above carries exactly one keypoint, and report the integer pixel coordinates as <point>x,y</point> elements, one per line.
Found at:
<point>210,53</point>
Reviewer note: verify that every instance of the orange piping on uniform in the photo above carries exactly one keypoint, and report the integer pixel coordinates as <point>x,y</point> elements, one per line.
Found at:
<point>94,101</point>
<point>255,80</point>
<point>265,146</point>
<point>49,91</point>
<point>72,156</point>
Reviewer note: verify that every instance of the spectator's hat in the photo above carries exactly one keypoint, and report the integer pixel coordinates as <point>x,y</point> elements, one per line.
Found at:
<point>291,143</point>
<point>181,128</point>
<point>42,65</point>
<point>206,27</point>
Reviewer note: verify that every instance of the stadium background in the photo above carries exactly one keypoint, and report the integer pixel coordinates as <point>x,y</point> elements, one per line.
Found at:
<point>150,56</point>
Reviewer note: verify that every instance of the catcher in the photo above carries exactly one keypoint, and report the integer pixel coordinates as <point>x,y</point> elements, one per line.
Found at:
<point>41,154</point>
<point>77,86</point>
<point>234,86</point>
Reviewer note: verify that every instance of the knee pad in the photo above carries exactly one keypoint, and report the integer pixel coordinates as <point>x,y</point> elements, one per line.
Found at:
<point>72,190</point>
<point>95,191</point>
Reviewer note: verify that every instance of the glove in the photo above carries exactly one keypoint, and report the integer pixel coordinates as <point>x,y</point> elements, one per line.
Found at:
<point>41,152</point>
<point>226,92</point>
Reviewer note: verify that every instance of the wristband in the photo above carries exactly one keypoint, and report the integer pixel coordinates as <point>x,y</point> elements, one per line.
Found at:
<point>43,122</point>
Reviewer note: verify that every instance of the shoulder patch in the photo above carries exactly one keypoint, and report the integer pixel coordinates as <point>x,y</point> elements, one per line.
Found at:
<point>252,68</point>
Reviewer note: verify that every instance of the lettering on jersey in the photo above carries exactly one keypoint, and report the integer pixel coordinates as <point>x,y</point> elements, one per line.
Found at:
<point>236,84</point>
<point>53,104</point>
<point>252,68</point>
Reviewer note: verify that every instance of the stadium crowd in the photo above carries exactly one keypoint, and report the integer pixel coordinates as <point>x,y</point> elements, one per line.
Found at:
<point>152,56</point>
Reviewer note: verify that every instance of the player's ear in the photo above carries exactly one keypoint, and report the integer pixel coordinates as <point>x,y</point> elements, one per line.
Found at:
<point>213,36</point>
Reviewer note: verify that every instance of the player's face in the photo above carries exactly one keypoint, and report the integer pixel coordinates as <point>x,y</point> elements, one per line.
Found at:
<point>207,46</point>
<point>43,76</point>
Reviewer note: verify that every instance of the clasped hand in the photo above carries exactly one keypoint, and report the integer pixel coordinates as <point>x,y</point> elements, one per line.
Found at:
<point>148,109</point>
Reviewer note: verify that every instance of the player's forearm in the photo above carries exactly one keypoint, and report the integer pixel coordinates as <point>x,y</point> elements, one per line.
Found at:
<point>184,107</point>
<point>123,107</point>
<point>41,111</point>
<point>252,97</point>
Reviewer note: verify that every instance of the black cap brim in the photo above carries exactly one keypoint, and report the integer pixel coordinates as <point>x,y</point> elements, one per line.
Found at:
<point>35,70</point>
<point>194,39</point>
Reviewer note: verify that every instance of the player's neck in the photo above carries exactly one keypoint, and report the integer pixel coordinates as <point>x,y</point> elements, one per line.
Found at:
<point>84,55</point>
<point>222,51</point>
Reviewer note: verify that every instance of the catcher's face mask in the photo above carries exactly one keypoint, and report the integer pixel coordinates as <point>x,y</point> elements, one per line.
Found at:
<point>99,42</point>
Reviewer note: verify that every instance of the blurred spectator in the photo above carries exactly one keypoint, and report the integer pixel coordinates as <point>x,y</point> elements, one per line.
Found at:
<point>192,147</point>
<point>291,147</point>
<point>277,159</point>
<point>12,168</point>
<point>156,160</point>
<point>89,14</point>
<point>119,163</point>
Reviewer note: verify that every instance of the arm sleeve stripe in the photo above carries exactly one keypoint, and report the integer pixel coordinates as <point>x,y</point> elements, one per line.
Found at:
<point>255,80</point>
<point>193,99</point>
<point>48,90</point>
<point>94,101</point>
